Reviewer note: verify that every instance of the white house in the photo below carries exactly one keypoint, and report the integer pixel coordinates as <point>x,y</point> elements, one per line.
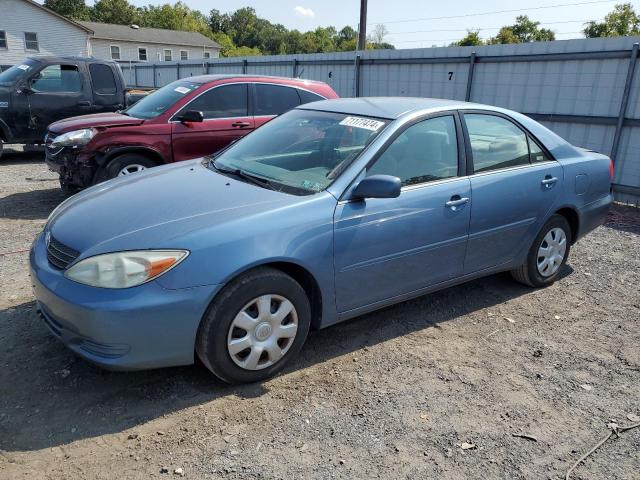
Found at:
<point>130,43</point>
<point>28,29</point>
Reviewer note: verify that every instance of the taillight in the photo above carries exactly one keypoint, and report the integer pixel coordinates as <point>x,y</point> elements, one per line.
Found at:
<point>611,169</point>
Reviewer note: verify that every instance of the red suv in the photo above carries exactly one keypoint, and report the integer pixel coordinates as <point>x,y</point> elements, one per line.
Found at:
<point>186,119</point>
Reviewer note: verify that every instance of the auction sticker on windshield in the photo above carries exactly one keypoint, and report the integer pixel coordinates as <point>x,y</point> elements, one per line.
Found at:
<point>365,123</point>
<point>182,90</point>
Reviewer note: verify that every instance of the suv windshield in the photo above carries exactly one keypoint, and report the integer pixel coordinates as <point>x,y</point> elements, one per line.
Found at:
<point>302,151</point>
<point>17,72</point>
<point>159,101</point>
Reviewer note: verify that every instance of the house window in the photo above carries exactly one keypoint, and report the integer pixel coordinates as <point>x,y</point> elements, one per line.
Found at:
<point>184,55</point>
<point>3,40</point>
<point>115,52</point>
<point>31,41</point>
<point>207,55</point>
<point>142,54</point>
<point>167,55</point>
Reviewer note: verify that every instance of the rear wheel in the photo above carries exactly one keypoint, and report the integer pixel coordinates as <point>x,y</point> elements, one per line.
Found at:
<point>125,165</point>
<point>547,255</point>
<point>254,327</point>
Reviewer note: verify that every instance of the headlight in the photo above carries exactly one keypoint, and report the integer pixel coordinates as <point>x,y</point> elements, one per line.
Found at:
<point>124,269</point>
<point>77,137</point>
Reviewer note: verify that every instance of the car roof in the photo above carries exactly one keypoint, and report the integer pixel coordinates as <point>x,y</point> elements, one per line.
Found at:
<point>216,77</point>
<point>389,107</point>
<point>53,59</point>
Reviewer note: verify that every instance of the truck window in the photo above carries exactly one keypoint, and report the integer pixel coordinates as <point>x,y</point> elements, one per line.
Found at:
<point>58,79</point>
<point>104,83</point>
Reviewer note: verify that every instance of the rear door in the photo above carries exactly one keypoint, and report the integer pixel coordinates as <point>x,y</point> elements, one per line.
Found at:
<point>226,118</point>
<point>106,95</point>
<point>514,183</point>
<point>273,100</point>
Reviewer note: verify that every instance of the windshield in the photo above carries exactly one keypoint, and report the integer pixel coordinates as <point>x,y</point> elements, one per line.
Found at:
<point>17,72</point>
<point>159,101</point>
<point>301,151</point>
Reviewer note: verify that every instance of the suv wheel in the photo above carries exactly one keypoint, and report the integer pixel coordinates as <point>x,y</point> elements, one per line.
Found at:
<point>126,164</point>
<point>254,327</point>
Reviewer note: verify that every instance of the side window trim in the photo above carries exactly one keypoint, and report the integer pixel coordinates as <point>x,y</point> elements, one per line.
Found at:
<point>461,147</point>
<point>467,141</point>
<point>249,103</point>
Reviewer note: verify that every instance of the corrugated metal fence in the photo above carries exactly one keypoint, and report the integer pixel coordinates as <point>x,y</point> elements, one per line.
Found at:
<point>586,90</point>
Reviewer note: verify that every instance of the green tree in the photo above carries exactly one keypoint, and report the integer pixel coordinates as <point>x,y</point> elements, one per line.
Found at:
<point>115,11</point>
<point>621,21</point>
<point>471,39</point>
<point>523,31</point>
<point>74,9</point>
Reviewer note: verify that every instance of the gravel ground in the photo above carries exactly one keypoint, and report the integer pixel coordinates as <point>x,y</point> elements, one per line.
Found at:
<point>434,387</point>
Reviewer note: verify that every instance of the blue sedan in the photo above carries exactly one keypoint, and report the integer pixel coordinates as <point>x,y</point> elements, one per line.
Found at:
<point>334,209</point>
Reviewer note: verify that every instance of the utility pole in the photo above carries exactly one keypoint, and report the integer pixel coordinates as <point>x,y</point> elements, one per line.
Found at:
<point>362,30</point>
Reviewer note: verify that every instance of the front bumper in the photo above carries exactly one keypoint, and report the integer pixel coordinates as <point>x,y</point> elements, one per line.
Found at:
<point>75,166</point>
<point>129,329</point>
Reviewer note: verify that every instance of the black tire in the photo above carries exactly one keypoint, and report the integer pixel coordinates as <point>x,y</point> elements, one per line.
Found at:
<point>528,273</point>
<point>211,341</point>
<point>114,167</point>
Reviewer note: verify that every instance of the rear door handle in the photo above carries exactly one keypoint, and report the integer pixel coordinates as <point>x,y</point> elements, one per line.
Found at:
<point>240,124</point>
<point>549,180</point>
<point>456,201</point>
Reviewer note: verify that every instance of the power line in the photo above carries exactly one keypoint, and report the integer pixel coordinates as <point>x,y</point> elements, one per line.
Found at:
<point>456,39</point>
<point>495,12</point>
<point>486,28</point>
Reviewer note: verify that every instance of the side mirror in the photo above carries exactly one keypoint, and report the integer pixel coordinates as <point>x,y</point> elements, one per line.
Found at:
<point>192,116</point>
<point>25,89</point>
<point>378,186</point>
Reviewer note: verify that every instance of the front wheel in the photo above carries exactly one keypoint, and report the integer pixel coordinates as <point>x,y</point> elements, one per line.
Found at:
<point>124,165</point>
<point>254,327</point>
<point>547,255</point>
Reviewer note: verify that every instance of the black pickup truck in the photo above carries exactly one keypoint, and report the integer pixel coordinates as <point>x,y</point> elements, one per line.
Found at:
<point>42,90</point>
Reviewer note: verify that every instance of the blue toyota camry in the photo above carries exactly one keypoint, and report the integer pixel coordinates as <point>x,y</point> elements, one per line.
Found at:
<point>332,210</point>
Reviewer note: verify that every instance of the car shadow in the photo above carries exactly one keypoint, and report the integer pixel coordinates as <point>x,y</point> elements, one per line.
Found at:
<point>31,205</point>
<point>14,157</point>
<point>49,397</point>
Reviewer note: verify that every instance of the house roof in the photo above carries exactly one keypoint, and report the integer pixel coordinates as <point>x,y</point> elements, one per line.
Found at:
<point>68,20</point>
<point>108,31</point>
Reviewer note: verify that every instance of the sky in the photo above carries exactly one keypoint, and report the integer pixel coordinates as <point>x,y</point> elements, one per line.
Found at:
<point>415,23</point>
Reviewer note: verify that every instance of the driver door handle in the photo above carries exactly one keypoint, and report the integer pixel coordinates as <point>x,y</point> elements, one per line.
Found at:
<point>240,124</point>
<point>456,201</point>
<point>549,180</point>
<point>84,103</point>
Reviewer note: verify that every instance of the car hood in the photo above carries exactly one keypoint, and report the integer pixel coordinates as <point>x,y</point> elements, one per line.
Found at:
<point>155,207</point>
<point>95,120</point>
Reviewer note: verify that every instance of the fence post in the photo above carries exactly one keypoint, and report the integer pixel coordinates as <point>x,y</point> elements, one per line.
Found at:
<point>135,74</point>
<point>472,65</point>
<point>155,81</point>
<point>178,71</point>
<point>244,65</point>
<point>624,102</point>
<point>295,68</point>
<point>357,76</point>
<point>206,67</point>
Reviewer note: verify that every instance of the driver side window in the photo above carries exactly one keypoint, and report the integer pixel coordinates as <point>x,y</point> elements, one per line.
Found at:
<point>424,152</point>
<point>58,79</point>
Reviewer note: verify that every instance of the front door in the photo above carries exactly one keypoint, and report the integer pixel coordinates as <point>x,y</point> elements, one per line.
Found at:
<point>388,247</point>
<point>54,93</point>
<point>226,118</point>
<point>515,184</point>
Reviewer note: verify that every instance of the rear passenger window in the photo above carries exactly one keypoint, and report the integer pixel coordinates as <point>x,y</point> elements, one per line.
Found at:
<point>227,101</point>
<point>104,83</point>
<point>495,142</point>
<point>424,152</point>
<point>308,97</point>
<point>536,153</point>
<point>275,99</point>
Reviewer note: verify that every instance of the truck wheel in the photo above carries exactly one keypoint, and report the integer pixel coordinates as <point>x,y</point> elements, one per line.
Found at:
<point>126,164</point>
<point>548,254</point>
<point>257,323</point>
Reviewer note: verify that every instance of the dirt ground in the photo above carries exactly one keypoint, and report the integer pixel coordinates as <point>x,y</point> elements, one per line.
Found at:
<point>394,394</point>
